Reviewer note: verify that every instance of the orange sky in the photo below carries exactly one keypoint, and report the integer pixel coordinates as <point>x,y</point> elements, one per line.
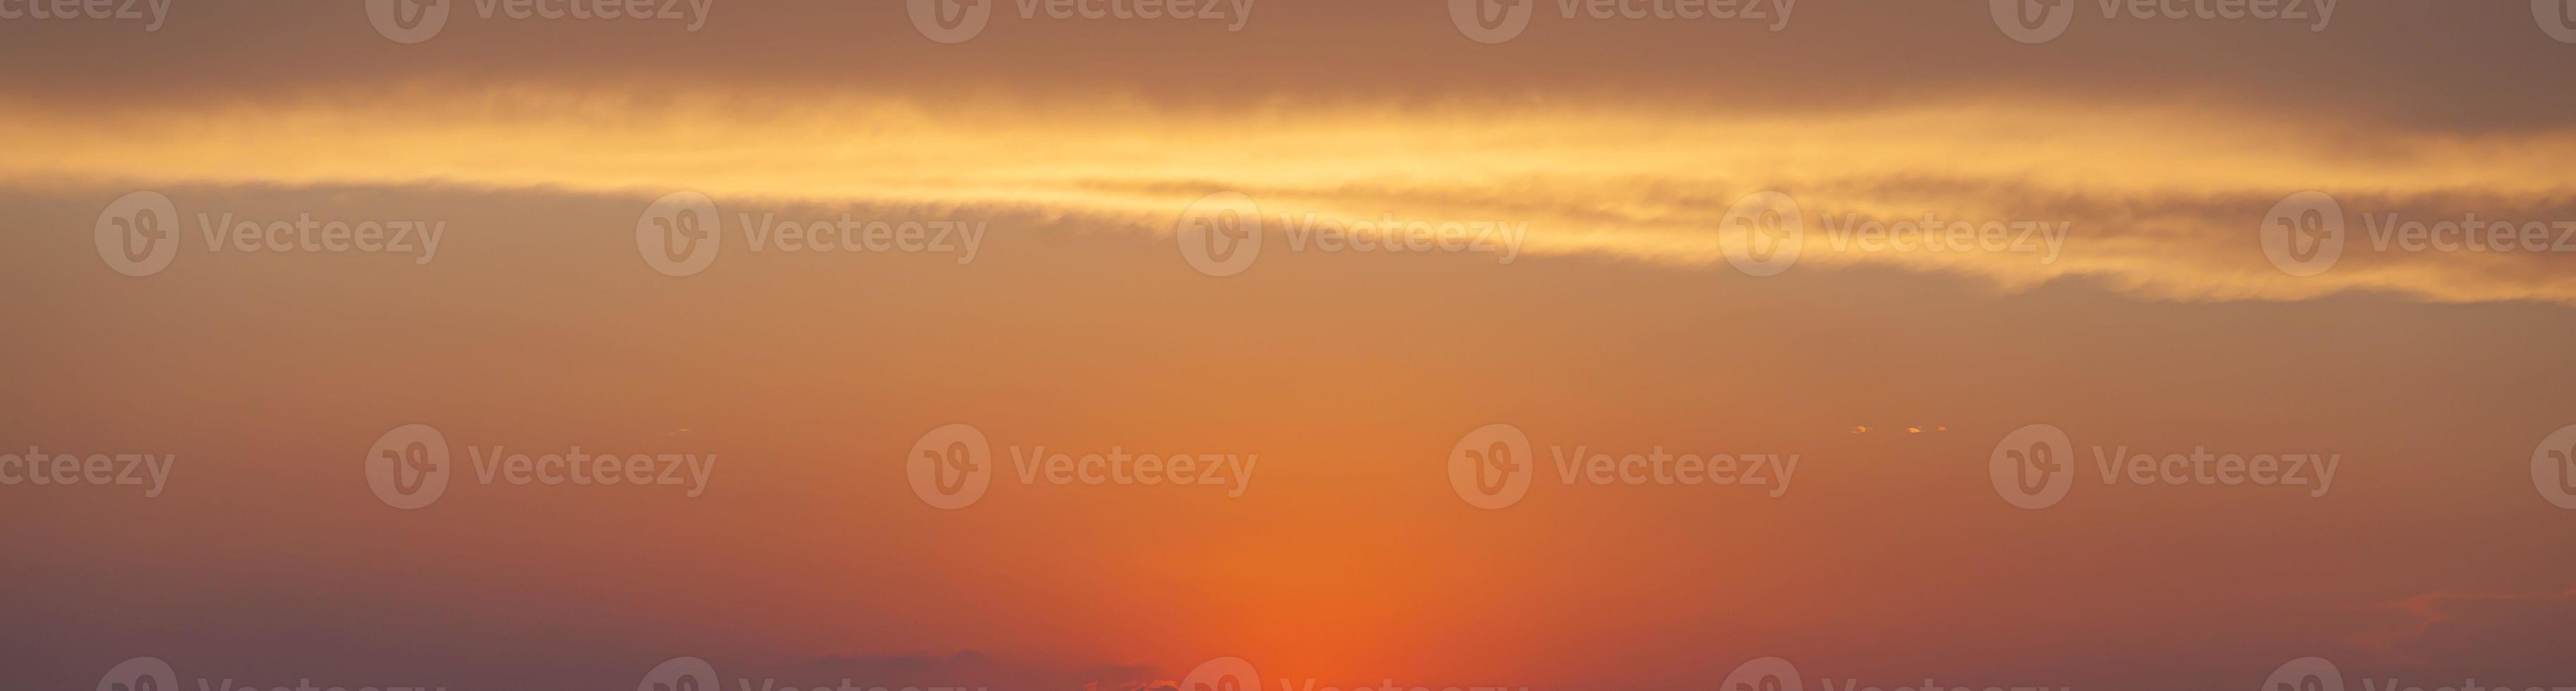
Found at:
<point>1608,161</point>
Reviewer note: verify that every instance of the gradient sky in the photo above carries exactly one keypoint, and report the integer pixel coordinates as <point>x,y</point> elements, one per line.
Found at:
<point>2159,145</point>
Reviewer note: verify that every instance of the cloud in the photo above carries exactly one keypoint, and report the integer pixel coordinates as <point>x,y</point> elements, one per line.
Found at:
<point>2164,204</point>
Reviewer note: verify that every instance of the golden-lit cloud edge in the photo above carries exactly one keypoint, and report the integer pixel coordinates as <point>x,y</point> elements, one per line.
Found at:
<point>2167,203</point>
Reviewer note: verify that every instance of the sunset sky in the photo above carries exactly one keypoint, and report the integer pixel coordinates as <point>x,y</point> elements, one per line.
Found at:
<point>2158,232</point>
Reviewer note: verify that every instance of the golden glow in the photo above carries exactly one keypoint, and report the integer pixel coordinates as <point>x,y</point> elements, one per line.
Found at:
<point>2163,203</point>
